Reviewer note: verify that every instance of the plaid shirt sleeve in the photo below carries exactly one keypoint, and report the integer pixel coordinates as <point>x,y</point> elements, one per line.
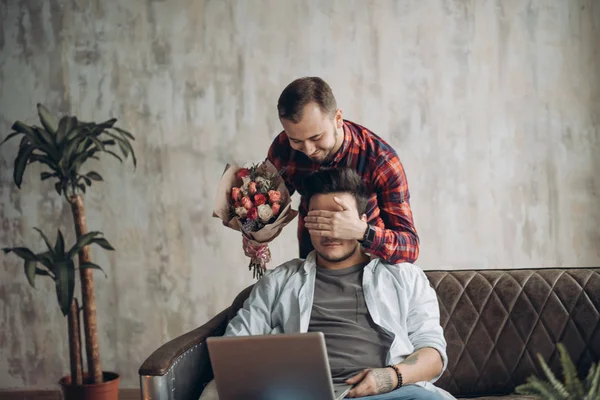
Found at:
<point>278,152</point>
<point>396,238</point>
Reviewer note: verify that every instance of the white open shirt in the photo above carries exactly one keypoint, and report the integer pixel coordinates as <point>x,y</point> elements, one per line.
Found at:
<point>398,297</point>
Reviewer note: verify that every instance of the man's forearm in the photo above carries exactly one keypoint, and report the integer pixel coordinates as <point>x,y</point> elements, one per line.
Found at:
<point>394,246</point>
<point>422,365</point>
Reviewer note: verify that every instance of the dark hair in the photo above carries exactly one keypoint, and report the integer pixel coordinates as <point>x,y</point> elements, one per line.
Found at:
<point>337,180</point>
<point>301,92</point>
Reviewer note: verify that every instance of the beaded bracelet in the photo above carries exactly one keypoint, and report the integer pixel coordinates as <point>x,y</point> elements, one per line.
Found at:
<point>397,370</point>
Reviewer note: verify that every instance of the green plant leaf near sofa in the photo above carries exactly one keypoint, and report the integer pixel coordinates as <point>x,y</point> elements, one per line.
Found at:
<point>572,388</point>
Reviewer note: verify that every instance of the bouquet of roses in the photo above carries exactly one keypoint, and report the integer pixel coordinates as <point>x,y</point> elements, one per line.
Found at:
<point>256,202</point>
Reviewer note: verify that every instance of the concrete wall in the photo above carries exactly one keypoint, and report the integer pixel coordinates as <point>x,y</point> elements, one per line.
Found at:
<point>493,107</point>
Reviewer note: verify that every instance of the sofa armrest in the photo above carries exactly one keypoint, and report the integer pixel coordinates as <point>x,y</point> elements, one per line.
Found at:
<point>179,369</point>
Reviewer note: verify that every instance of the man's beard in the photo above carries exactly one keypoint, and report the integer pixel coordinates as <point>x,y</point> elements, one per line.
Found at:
<point>341,258</point>
<point>329,154</point>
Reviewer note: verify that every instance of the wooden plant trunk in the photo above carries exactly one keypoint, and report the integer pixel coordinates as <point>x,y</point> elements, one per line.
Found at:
<point>87,294</point>
<point>75,344</point>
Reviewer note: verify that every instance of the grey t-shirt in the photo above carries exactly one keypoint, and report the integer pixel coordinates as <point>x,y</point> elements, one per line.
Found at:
<point>354,341</point>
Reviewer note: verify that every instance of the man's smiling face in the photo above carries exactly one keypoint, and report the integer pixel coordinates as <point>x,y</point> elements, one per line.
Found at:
<point>316,134</point>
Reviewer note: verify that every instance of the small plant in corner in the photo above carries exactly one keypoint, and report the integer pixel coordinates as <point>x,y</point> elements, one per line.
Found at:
<point>58,264</point>
<point>64,146</point>
<point>571,389</point>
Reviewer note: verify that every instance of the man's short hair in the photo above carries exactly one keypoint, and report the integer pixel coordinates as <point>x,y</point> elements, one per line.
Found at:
<point>301,92</point>
<point>337,180</point>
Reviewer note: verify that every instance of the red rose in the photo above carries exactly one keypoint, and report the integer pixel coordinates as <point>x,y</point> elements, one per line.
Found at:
<point>274,196</point>
<point>252,214</point>
<point>259,199</point>
<point>236,194</point>
<point>242,172</point>
<point>237,204</point>
<point>275,207</point>
<point>247,203</point>
<point>252,187</point>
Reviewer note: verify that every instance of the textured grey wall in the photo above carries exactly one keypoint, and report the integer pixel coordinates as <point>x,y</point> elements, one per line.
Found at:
<point>493,106</point>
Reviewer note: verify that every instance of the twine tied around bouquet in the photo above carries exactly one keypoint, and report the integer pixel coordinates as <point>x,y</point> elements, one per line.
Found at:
<point>259,255</point>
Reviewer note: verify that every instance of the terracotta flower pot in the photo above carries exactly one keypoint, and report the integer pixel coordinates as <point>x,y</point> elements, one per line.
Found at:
<point>107,390</point>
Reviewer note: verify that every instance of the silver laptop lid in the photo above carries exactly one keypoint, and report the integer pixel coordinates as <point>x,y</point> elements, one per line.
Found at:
<point>271,367</point>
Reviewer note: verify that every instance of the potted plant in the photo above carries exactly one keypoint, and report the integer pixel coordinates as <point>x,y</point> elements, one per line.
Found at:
<point>572,388</point>
<point>64,146</point>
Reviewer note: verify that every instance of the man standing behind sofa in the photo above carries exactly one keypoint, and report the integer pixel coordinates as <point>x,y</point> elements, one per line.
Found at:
<point>315,135</point>
<point>380,320</point>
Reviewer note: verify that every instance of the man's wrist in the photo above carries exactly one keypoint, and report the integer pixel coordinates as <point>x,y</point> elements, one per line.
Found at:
<point>362,231</point>
<point>369,237</point>
<point>397,376</point>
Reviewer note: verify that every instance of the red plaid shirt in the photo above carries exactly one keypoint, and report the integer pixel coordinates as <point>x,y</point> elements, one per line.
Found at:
<point>388,209</point>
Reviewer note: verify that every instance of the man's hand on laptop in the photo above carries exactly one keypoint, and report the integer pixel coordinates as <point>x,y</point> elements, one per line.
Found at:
<point>374,381</point>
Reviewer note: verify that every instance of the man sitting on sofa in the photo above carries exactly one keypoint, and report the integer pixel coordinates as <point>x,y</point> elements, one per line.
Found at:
<point>380,321</point>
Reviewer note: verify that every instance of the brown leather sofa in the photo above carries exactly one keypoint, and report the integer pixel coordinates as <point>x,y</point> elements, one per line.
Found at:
<point>495,321</point>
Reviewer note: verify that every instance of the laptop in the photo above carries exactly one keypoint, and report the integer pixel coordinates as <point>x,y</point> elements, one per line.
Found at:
<point>273,367</point>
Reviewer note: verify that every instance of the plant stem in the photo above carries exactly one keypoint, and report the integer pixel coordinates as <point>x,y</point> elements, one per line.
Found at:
<point>87,294</point>
<point>75,344</point>
<point>79,310</point>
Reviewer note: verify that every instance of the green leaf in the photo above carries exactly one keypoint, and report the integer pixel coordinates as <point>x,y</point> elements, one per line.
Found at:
<point>59,247</point>
<point>132,155</point>
<point>39,271</point>
<point>102,243</point>
<point>83,241</point>
<point>47,119</point>
<point>94,176</point>
<point>65,284</point>
<point>70,151</point>
<point>545,388</point>
<point>82,128</point>
<point>44,159</point>
<point>27,130</point>
<point>30,272</point>
<point>44,136</point>
<point>48,243</point>
<point>81,187</point>
<point>46,141</point>
<point>46,175</point>
<point>101,127</point>
<point>537,387</point>
<point>93,266</point>
<point>108,142</point>
<point>58,187</point>
<point>86,145</point>
<point>73,138</point>
<point>124,133</point>
<point>556,384</point>
<point>98,143</point>
<point>120,141</point>
<point>125,146</point>
<point>22,252</point>
<point>80,159</point>
<point>573,384</point>
<point>47,259</point>
<point>65,125</point>
<point>72,133</point>
<point>87,180</point>
<point>24,142</point>
<point>594,382</point>
<point>21,164</point>
<point>114,155</point>
<point>10,136</point>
